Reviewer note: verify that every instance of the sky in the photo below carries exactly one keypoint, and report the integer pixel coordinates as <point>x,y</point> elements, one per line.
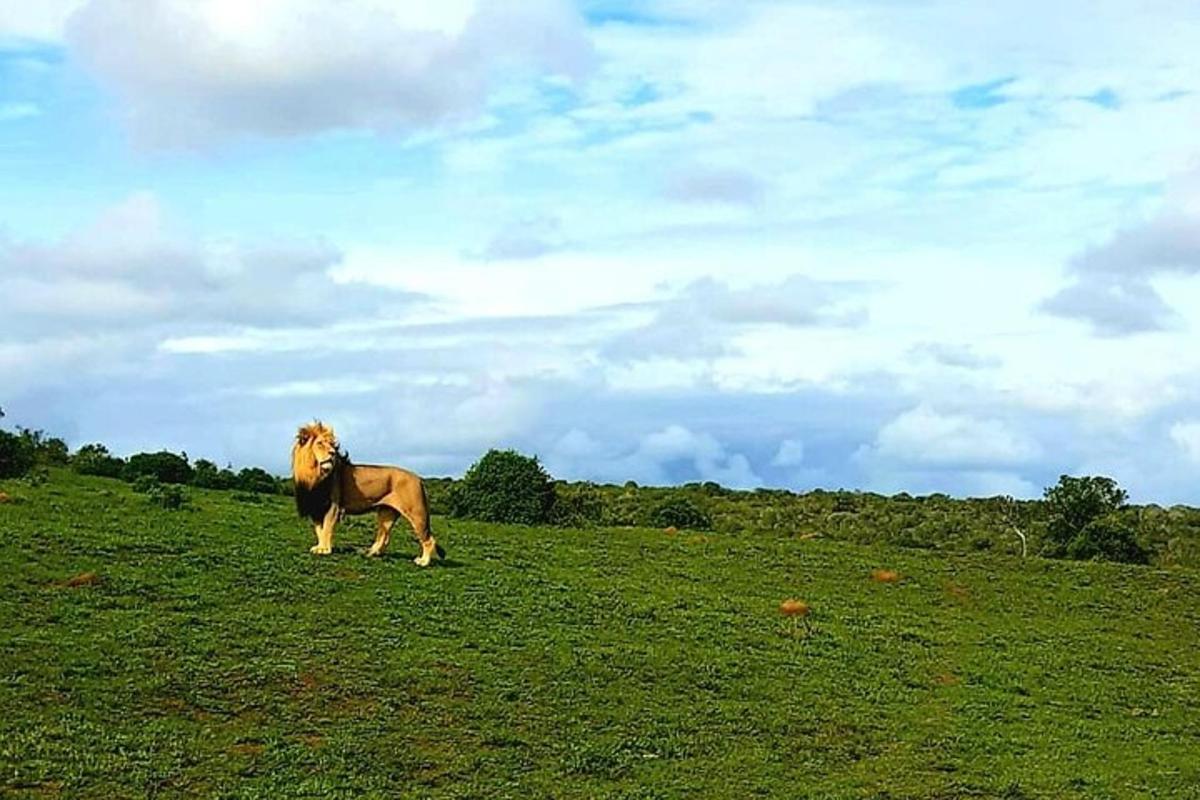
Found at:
<point>919,245</point>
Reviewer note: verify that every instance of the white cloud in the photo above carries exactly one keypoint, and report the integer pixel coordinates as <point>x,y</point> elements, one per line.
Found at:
<point>191,73</point>
<point>42,20</point>
<point>1186,436</point>
<point>925,436</point>
<point>790,454</point>
<point>131,273</point>
<point>1112,289</point>
<point>672,454</point>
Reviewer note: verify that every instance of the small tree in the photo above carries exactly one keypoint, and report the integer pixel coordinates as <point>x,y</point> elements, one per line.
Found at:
<point>16,455</point>
<point>679,512</point>
<point>47,450</point>
<point>206,475</point>
<point>1084,521</point>
<point>504,486</point>
<point>255,479</point>
<point>166,466</point>
<point>577,505</point>
<point>94,459</point>
<point>1112,537</point>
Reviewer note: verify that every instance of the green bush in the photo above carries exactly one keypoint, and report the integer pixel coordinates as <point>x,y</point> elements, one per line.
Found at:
<point>679,512</point>
<point>166,466</point>
<point>17,456</point>
<point>1110,538</point>
<point>1071,506</point>
<point>47,450</point>
<point>94,459</point>
<point>254,479</point>
<point>206,475</point>
<point>169,496</point>
<point>504,486</point>
<point>577,505</point>
<point>144,484</point>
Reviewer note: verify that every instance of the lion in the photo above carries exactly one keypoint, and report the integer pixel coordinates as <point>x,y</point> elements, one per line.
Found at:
<point>328,485</point>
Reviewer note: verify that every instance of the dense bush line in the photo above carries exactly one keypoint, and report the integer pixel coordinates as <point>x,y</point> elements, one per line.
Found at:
<point>1078,518</point>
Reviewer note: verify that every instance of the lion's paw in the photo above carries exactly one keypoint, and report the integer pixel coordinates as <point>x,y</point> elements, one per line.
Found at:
<point>374,553</point>
<point>319,550</point>
<point>421,560</point>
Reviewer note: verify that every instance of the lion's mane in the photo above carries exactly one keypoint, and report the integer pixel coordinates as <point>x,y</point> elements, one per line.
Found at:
<point>313,491</point>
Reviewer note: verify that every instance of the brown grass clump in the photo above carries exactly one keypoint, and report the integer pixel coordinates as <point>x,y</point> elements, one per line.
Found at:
<point>82,579</point>
<point>946,679</point>
<point>958,591</point>
<point>885,576</point>
<point>4,498</point>
<point>797,611</point>
<point>248,749</point>
<point>670,530</point>
<point>794,608</point>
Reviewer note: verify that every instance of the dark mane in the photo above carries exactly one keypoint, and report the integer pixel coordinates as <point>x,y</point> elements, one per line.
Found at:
<point>314,502</point>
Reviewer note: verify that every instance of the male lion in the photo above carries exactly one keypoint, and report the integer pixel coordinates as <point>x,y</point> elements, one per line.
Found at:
<point>328,485</point>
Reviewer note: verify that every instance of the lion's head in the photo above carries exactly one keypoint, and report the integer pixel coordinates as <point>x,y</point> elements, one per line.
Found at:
<point>314,455</point>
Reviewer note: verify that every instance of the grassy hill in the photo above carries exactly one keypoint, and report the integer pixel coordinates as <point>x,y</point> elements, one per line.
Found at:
<point>204,652</point>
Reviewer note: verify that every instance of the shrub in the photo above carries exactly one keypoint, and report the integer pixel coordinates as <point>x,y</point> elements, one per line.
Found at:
<point>94,459</point>
<point>206,475</point>
<point>625,510</point>
<point>166,466</point>
<point>577,505</point>
<point>255,479</point>
<point>171,496</point>
<point>16,455</point>
<point>679,512</point>
<point>504,486</point>
<point>47,450</point>
<point>144,484</point>
<point>1110,538</point>
<point>1075,503</point>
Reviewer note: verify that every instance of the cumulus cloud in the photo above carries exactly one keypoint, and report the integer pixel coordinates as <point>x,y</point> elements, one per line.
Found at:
<point>674,454</point>
<point>129,269</point>
<point>1186,436</point>
<point>790,454</point>
<point>925,436</point>
<point>1111,289</point>
<point>1112,307</point>
<point>700,321</point>
<point>190,73</point>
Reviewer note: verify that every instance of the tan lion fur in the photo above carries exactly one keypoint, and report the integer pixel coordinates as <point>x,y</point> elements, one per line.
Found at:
<point>328,485</point>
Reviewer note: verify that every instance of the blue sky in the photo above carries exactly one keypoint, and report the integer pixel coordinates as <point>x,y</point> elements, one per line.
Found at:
<point>920,246</point>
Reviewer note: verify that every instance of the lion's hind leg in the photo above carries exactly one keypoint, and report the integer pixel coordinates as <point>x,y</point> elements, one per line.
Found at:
<point>418,518</point>
<point>386,518</point>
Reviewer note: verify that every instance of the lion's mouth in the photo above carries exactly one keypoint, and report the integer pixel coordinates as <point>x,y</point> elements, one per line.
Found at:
<point>327,464</point>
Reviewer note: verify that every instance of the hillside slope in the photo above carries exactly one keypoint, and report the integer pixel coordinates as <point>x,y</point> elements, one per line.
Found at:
<point>210,655</point>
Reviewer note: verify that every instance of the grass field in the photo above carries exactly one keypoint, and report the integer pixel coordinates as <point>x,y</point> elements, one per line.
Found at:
<point>210,655</point>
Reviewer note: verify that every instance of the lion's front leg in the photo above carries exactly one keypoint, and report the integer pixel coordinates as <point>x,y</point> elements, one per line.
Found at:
<point>324,545</point>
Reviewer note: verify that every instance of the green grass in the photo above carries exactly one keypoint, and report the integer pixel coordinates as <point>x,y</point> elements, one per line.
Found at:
<point>216,657</point>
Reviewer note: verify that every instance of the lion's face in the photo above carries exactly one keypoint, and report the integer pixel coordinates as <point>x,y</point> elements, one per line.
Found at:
<point>315,453</point>
<point>324,453</point>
